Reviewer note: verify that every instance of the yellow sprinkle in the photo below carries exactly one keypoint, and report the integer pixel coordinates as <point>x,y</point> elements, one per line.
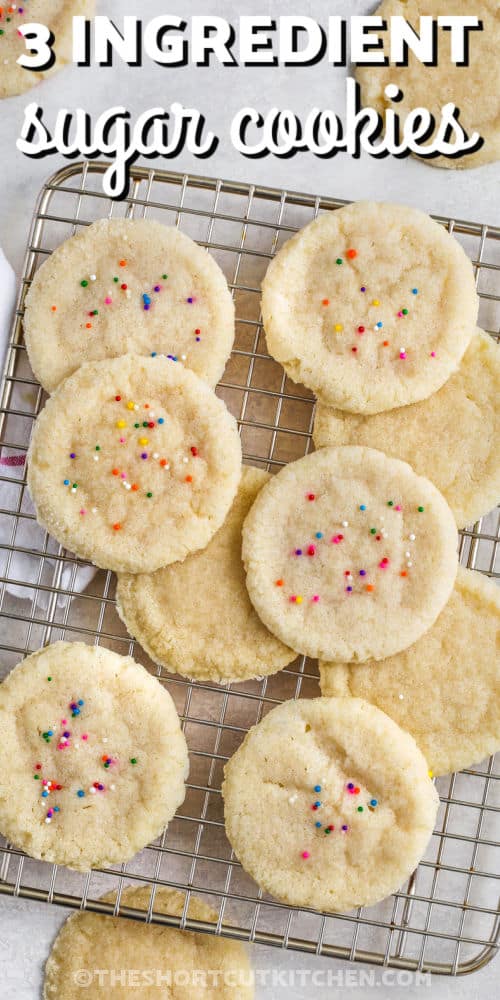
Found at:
<point>130,406</point>
<point>375,302</point>
<point>143,440</point>
<point>338,327</point>
<point>431,774</point>
<point>298,600</point>
<point>121,423</point>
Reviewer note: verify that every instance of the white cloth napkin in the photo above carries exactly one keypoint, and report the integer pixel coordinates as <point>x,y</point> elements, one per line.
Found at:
<point>22,532</point>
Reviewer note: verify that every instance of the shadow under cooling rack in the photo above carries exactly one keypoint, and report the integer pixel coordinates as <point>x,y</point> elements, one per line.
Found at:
<point>445,919</point>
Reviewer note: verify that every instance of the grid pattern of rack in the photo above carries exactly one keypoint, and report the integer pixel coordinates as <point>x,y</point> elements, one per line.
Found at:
<point>445,919</point>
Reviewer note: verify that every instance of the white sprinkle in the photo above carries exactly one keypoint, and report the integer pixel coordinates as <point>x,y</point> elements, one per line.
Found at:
<point>94,510</point>
<point>105,739</point>
<point>136,406</point>
<point>183,357</point>
<point>127,486</point>
<point>48,819</point>
<point>402,349</point>
<point>96,458</point>
<point>92,277</point>
<point>293,799</point>
<point>155,454</point>
<point>166,467</point>
<point>411,537</point>
<point>112,787</point>
<point>73,490</point>
<point>128,293</point>
<point>345,524</point>
<point>185,460</point>
<point>401,697</point>
<point>407,554</point>
<point>92,790</point>
<point>409,564</point>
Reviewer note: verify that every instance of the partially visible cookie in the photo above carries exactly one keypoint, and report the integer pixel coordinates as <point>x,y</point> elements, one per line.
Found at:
<point>328,804</point>
<point>94,757</point>
<point>58,18</point>
<point>150,960</point>
<point>347,549</point>
<point>371,306</point>
<point>445,689</point>
<point>473,88</point>
<point>196,617</point>
<point>128,286</point>
<point>452,437</point>
<point>133,463</point>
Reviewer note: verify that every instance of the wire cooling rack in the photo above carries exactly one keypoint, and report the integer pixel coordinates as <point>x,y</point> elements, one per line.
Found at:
<point>445,919</point>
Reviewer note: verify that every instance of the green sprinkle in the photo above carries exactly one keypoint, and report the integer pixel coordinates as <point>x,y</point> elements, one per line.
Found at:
<point>75,486</point>
<point>49,678</point>
<point>390,503</point>
<point>84,283</point>
<point>326,830</point>
<point>115,279</point>
<point>405,312</point>
<point>97,447</point>
<point>149,494</point>
<point>339,260</point>
<point>1,31</point>
<point>95,312</point>
<point>137,425</point>
<point>373,531</point>
<point>133,760</point>
<point>421,510</point>
<point>360,809</point>
<point>164,276</point>
<point>144,423</point>
<point>36,777</point>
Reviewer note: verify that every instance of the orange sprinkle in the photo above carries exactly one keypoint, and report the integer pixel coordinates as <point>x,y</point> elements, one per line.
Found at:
<point>123,263</point>
<point>352,254</point>
<point>146,406</point>
<point>116,527</point>
<point>163,462</point>
<point>189,479</point>
<point>88,326</point>
<point>403,573</point>
<point>386,343</point>
<point>369,587</point>
<point>54,309</point>
<point>326,302</point>
<point>115,472</point>
<point>279,583</point>
<point>135,487</point>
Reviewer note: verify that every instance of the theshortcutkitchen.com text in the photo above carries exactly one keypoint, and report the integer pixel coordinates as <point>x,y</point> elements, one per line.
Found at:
<point>250,41</point>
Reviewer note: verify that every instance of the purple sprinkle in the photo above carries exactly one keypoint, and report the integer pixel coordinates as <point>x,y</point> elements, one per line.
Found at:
<point>67,734</point>
<point>72,455</point>
<point>190,300</point>
<point>101,788</point>
<point>348,589</point>
<point>298,552</point>
<point>157,288</point>
<point>198,339</point>
<point>362,572</point>
<point>144,454</point>
<point>362,289</point>
<point>350,784</point>
<point>345,827</point>
<point>146,306</point>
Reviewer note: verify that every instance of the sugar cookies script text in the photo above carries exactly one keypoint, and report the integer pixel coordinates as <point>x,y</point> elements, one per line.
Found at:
<point>259,41</point>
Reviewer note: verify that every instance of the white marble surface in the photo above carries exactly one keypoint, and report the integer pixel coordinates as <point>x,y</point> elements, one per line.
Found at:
<point>27,929</point>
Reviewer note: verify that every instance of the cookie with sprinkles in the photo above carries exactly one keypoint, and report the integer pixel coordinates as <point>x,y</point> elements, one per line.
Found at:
<point>128,286</point>
<point>213,635</point>
<point>96,757</point>
<point>472,85</point>
<point>328,804</point>
<point>349,551</point>
<point>371,306</point>
<point>133,463</point>
<point>57,16</point>
<point>191,962</point>
<point>445,689</point>
<point>452,437</point>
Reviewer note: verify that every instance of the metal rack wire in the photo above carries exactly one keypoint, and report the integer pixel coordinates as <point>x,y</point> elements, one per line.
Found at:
<point>445,919</point>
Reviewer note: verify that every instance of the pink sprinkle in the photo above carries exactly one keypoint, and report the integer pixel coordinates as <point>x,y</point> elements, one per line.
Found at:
<point>384,564</point>
<point>433,354</point>
<point>402,355</point>
<point>123,475</point>
<point>337,539</point>
<point>82,512</point>
<point>293,599</point>
<point>315,599</point>
<point>122,440</point>
<point>311,550</point>
<point>85,736</point>
<point>108,300</point>
<point>398,506</point>
<point>44,782</point>
<point>305,854</point>
<point>400,313</point>
<point>64,722</point>
<point>61,746</point>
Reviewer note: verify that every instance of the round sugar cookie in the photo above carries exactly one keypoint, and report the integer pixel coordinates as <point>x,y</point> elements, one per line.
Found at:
<point>133,463</point>
<point>452,437</point>
<point>128,286</point>
<point>371,306</point>
<point>157,961</point>
<point>474,89</point>
<point>347,549</point>
<point>328,804</point>
<point>58,18</point>
<point>445,689</point>
<point>196,618</point>
<point>96,757</point>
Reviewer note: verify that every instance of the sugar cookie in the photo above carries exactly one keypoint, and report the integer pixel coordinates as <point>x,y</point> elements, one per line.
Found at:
<point>128,286</point>
<point>347,549</point>
<point>445,689</point>
<point>196,618</point>
<point>452,437</point>
<point>474,89</point>
<point>328,803</point>
<point>58,17</point>
<point>96,757</point>
<point>371,306</point>
<point>133,463</point>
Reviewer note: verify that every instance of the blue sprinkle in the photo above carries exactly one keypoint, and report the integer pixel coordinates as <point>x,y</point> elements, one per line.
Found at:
<point>50,732</point>
<point>415,291</point>
<point>81,702</point>
<point>317,788</point>
<point>146,299</point>
<point>318,804</point>
<point>153,354</point>
<point>161,420</point>
<point>362,506</point>
<point>380,325</point>
<point>66,482</point>
<point>319,534</point>
<point>56,809</point>
<point>44,795</point>
<point>373,802</point>
<point>318,825</point>
<point>80,793</point>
